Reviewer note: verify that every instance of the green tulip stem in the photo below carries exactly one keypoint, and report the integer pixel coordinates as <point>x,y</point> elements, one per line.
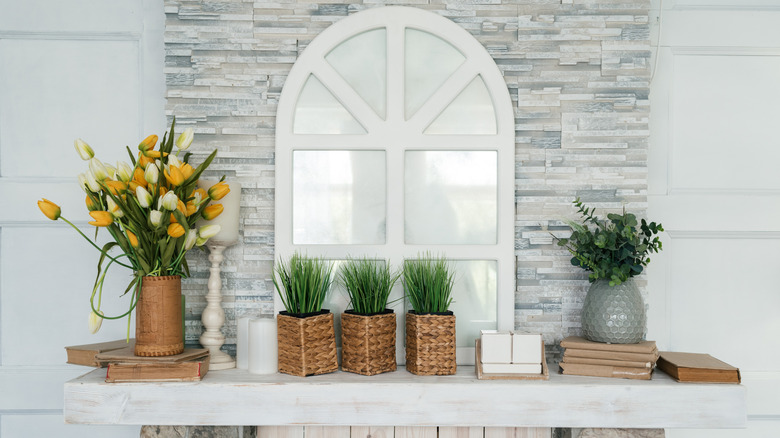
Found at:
<point>93,244</point>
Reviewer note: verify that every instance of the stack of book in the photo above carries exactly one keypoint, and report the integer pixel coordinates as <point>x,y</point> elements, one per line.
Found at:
<point>627,361</point>
<point>124,366</point>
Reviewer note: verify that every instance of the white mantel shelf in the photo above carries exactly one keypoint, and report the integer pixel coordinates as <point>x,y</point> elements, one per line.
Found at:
<point>236,397</point>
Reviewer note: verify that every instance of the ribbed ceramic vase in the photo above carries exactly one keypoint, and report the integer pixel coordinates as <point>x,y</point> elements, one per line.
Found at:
<point>158,317</point>
<point>614,314</point>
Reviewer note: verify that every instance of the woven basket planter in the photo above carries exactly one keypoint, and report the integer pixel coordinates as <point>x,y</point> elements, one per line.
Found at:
<point>368,343</point>
<point>158,317</point>
<point>430,344</point>
<point>307,345</point>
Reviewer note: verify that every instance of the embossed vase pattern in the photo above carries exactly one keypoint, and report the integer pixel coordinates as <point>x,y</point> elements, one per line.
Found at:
<point>614,314</point>
<point>158,318</point>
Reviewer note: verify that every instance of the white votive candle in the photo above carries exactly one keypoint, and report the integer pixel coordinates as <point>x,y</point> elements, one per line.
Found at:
<point>263,358</point>
<point>229,219</point>
<point>242,347</point>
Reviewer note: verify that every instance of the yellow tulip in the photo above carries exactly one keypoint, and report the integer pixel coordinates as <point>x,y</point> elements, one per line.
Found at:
<point>116,187</point>
<point>173,175</point>
<point>175,230</point>
<point>138,176</point>
<point>191,209</point>
<point>219,190</point>
<point>85,152</point>
<point>187,170</point>
<point>50,209</point>
<point>91,204</point>
<point>200,195</point>
<point>144,161</point>
<point>102,218</point>
<point>132,238</point>
<point>148,144</point>
<point>156,154</point>
<point>212,211</point>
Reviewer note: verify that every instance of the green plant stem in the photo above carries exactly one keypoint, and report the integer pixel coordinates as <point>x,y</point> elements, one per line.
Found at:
<point>93,244</point>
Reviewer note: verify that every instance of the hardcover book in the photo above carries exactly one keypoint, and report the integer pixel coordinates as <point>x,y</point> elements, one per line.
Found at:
<point>695,367</point>
<point>578,369</point>
<point>86,354</point>
<point>188,371</point>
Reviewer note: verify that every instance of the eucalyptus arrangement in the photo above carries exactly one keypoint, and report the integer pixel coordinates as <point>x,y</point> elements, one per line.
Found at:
<point>614,249</point>
<point>368,284</point>
<point>368,330</point>
<point>302,283</point>
<point>430,328</point>
<point>149,207</point>
<point>307,339</point>
<point>428,283</point>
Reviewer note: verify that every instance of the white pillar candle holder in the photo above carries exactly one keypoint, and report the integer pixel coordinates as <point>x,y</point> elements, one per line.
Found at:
<point>213,316</point>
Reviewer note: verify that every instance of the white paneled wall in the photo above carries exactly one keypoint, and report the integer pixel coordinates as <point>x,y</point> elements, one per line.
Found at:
<point>714,184</point>
<point>68,69</point>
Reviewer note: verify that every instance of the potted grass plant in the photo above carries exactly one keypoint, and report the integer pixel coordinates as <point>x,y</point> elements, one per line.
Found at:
<point>613,250</point>
<point>306,337</point>
<point>430,327</point>
<point>368,329</point>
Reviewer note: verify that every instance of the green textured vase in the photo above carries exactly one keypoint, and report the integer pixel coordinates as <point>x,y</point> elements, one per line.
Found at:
<point>614,314</point>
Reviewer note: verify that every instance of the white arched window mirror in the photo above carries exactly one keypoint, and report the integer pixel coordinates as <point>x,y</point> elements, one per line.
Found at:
<point>395,136</point>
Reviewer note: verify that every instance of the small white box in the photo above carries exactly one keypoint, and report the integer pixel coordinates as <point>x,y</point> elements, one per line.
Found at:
<point>512,368</point>
<point>496,347</point>
<point>526,348</point>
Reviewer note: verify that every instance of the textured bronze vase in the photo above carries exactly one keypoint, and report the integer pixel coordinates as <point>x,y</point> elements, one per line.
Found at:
<point>158,317</point>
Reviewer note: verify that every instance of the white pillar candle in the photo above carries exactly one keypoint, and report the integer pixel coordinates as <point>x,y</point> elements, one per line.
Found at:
<point>263,358</point>
<point>242,347</point>
<point>229,219</point>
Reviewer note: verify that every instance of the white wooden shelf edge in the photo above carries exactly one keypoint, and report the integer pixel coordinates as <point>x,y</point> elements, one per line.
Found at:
<point>236,397</point>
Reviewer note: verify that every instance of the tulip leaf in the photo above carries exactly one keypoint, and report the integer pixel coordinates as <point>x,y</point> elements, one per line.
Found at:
<point>166,256</point>
<point>181,219</point>
<point>132,157</point>
<point>198,170</point>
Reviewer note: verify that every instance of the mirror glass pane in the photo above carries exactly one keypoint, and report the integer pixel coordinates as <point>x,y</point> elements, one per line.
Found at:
<point>362,62</point>
<point>470,113</point>
<point>339,197</point>
<point>450,197</point>
<point>429,62</point>
<point>319,112</point>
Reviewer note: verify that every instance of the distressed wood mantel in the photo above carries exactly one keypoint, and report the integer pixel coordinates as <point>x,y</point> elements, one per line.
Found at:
<point>236,397</point>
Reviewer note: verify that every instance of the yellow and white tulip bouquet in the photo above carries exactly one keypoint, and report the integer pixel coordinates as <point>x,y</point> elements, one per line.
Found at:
<point>150,207</point>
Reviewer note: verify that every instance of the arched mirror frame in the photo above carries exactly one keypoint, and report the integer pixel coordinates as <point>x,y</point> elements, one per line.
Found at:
<point>396,135</point>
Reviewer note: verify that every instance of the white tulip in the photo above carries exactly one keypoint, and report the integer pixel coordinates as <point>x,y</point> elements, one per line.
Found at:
<point>98,169</point>
<point>95,321</point>
<point>92,183</point>
<point>144,197</point>
<point>185,139</point>
<point>123,171</point>
<point>111,170</point>
<point>85,152</point>
<point>190,239</point>
<point>83,182</point>
<point>155,218</point>
<point>170,201</point>
<point>174,161</point>
<point>209,231</point>
<point>152,173</point>
<point>113,208</point>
